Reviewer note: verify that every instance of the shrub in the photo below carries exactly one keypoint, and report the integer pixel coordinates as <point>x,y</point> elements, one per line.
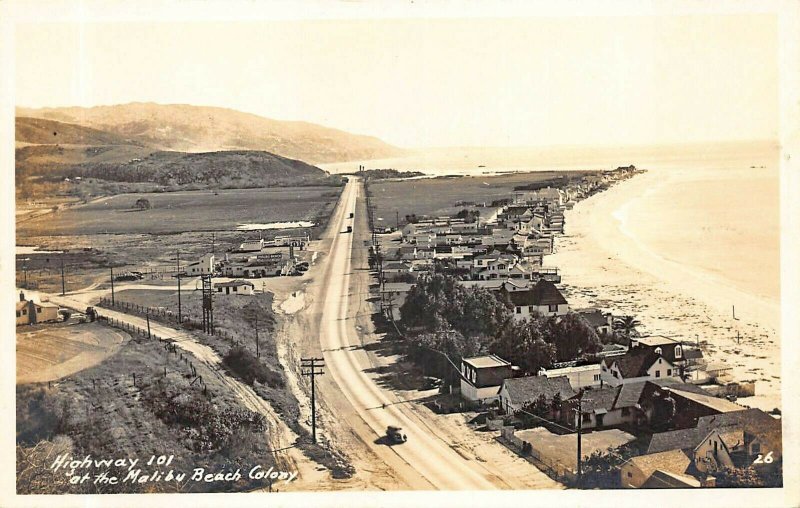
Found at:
<point>242,363</point>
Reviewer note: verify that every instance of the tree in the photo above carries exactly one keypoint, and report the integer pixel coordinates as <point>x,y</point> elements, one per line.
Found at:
<point>143,204</point>
<point>573,337</point>
<point>627,325</point>
<point>522,343</point>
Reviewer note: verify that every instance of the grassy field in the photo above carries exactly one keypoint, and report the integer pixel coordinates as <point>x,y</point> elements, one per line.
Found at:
<point>437,196</point>
<point>176,212</point>
<point>178,221</point>
<point>101,411</point>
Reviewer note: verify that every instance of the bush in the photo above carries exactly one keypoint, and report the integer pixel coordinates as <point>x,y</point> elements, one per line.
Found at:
<point>242,363</point>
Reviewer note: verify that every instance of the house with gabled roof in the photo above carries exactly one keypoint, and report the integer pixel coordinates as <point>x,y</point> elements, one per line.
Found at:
<point>735,437</point>
<point>658,470</point>
<point>515,393</point>
<point>648,358</point>
<point>543,298</point>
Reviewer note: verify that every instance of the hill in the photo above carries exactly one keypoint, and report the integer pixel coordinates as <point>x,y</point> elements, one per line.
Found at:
<point>185,128</point>
<point>40,131</point>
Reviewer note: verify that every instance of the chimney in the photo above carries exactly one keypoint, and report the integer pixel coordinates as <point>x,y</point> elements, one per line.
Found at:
<point>21,296</point>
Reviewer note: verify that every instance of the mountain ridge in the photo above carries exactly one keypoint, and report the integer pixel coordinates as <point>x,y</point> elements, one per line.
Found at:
<point>189,128</point>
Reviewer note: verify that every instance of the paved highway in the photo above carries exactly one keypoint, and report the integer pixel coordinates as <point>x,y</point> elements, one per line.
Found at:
<point>431,457</point>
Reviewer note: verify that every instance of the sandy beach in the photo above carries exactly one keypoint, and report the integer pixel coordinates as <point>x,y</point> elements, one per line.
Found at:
<point>648,248</point>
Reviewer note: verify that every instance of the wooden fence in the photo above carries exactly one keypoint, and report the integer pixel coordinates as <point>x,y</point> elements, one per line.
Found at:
<point>164,315</point>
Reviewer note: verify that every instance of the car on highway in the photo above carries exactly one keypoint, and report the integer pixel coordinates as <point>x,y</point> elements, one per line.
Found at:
<point>395,435</point>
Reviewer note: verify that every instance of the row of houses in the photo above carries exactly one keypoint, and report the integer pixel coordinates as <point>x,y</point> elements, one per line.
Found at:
<point>503,253</point>
<point>699,433</point>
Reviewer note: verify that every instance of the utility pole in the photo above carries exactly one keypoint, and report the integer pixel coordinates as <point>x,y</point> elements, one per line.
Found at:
<point>112,285</point>
<point>580,428</point>
<point>63,283</point>
<point>309,367</point>
<point>257,353</point>
<point>180,316</point>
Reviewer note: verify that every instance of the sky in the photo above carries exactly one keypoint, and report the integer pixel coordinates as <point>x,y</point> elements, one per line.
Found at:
<point>531,81</point>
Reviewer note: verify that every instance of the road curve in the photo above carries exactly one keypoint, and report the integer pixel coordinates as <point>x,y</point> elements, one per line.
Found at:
<point>431,457</point>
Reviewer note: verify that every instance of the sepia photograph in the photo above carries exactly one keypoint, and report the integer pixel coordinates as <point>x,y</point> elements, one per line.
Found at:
<point>392,253</point>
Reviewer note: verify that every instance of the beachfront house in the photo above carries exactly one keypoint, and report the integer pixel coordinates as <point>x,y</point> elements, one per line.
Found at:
<point>653,357</point>
<point>543,298</point>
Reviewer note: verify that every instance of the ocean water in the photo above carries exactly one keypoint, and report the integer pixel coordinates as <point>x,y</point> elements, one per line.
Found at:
<point>713,208</point>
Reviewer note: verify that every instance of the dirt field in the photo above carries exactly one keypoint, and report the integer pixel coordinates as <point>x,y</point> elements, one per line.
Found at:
<point>52,352</point>
<point>437,196</point>
<point>564,449</point>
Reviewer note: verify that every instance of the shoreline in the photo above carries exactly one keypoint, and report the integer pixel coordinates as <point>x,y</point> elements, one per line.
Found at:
<point>604,265</point>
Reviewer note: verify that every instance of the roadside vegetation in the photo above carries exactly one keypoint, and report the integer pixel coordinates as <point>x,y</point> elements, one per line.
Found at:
<point>146,399</point>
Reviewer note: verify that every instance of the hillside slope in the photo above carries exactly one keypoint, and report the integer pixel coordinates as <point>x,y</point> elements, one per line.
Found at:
<point>185,128</point>
<point>216,169</point>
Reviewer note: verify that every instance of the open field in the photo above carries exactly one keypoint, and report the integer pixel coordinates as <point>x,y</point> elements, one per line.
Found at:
<point>175,212</point>
<point>51,352</point>
<point>437,196</point>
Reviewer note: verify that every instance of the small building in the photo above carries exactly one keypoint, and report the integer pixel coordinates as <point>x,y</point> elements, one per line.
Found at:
<point>602,322</point>
<point>252,245</point>
<point>203,267</point>
<point>515,393</point>
<point>481,377</point>
<point>638,471</point>
<point>29,312</point>
<point>580,376</point>
<point>608,406</point>
<point>235,287</point>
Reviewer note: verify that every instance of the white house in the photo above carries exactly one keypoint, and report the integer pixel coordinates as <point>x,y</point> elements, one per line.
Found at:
<point>203,267</point>
<point>481,377</point>
<point>543,298</point>
<point>579,377</point>
<point>235,287</point>
<point>648,358</point>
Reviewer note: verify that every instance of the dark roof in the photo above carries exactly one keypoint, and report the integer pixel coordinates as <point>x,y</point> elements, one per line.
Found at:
<point>750,419</point>
<point>594,317</point>
<point>692,354</point>
<point>754,421</point>
<point>635,362</point>
<point>610,398</point>
<point>543,292</point>
<point>526,389</point>
<point>685,439</point>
